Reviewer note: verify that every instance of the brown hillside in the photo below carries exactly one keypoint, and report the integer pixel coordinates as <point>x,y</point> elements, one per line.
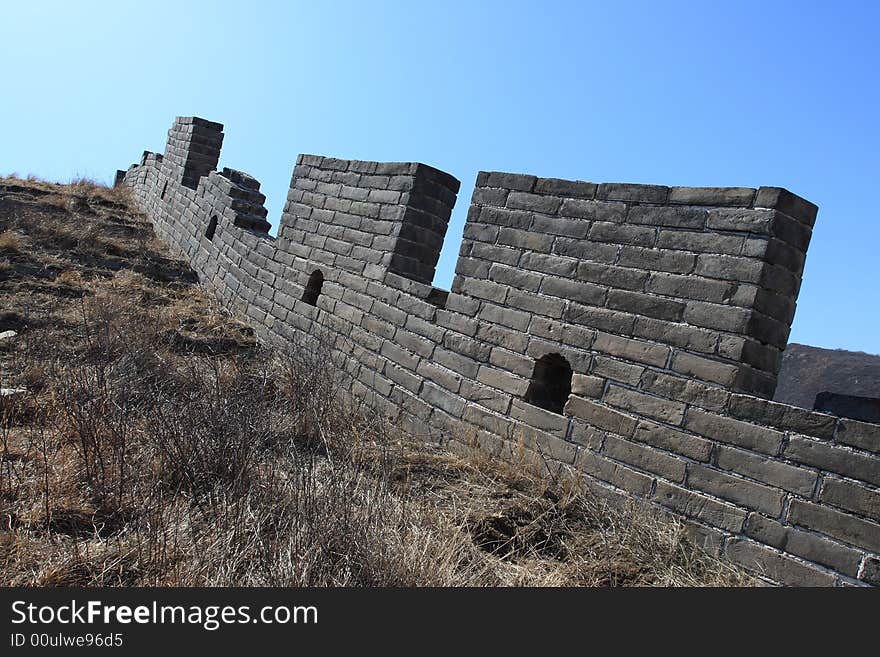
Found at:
<point>807,371</point>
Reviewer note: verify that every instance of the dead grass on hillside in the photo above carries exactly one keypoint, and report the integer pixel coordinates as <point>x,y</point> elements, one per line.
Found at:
<point>159,444</point>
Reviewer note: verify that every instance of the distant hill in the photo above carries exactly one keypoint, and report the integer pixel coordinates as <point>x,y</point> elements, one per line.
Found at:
<point>807,371</point>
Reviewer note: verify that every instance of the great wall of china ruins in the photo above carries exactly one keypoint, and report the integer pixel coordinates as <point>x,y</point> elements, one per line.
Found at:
<point>633,332</point>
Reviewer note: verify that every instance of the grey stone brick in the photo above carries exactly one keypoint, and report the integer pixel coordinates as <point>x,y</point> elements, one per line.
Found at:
<point>539,418</point>
<point>693,505</point>
<point>514,319</point>
<point>586,293</point>
<point>633,350</point>
<point>586,250</point>
<point>617,370</point>
<point>736,489</point>
<point>623,234</point>
<point>837,524</point>
<point>502,380</point>
<point>600,416</point>
<point>567,188</point>
<point>594,210</point>
<point>635,193</point>
<point>673,440</point>
<point>513,181</point>
<point>851,497</point>
<point>646,305</point>
<point>691,338</point>
<point>613,473</point>
<point>859,434</point>
<point>657,259</point>
<point>788,203</point>
<point>833,459</point>
<point>667,411</point>
<point>685,390</point>
<point>734,432</point>
<point>677,217</point>
<point>691,287</point>
<point>533,202</point>
<point>619,277</point>
<point>775,565</point>
<point>645,458</point>
<point>586,385</point>
<point>724,196</point>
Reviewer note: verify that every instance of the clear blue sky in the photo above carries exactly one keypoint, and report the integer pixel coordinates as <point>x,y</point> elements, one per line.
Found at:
<point>676,93</point>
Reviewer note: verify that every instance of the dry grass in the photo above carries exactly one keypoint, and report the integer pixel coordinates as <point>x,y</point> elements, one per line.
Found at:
<point>159,444</point>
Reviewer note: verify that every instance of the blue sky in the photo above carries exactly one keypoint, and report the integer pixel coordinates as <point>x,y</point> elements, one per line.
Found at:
<point>676,93</point>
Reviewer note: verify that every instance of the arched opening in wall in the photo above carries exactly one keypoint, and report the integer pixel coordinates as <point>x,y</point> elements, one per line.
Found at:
<point>551,383</point>
<point>212,228</point>
<point>313,288</point>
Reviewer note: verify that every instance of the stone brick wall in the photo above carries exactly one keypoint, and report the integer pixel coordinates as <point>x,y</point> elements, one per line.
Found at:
<point>669,306</point>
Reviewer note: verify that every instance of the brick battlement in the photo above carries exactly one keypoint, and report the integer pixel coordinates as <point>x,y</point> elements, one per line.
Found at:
<point>632,332</point>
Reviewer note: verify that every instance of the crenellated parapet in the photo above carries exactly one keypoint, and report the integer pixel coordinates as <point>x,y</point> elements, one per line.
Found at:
<point>631,332</point>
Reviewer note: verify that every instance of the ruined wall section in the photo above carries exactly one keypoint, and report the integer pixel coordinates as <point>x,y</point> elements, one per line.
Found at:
<point>669,304</point>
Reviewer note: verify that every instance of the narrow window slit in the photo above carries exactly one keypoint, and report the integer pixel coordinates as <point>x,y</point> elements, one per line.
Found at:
<point>551,383</point>
<point>212,228</point>
<point>313,288</point>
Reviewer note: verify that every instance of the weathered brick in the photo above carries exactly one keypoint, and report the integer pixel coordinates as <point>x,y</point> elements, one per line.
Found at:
<point>783,416</point>
<point>533,202</point>
<point>594,210</point>
<point>600,318</point>
<point>586,385</point>
<point>775,565</point>
<point>673,440</point>
<point>705,368</point>
<point>514,319</point>
<point>735,432</point>
<point>623,234</point>
<point>539,418</point>
<point>579,291</point>
<point>613,473</point>
<point>567,188</point>
<point>690,287</point>
<point>803,544</point>
<point>852,497</point>
<point>548,446</point>
<point>834,459</point>
<point>684,389</point>
<point>620,277</point>
<point>645,458</point>
<point>691,504</point>
<point>776,473</point>
<point>616,370</point>
<point>657,259</point>
<point>634,350</point>
<point>502,380</point>
<point>859,434</point>
<point>730,196</point>
<point>836,524</point>
<point>735,489</point>
<point>441,398</point>
<point>650,406</point>
<point>635,193</point>
<point>784,201</point>
<point>600,415</point>
<point>691,338</point>
<point>678,217</point>
<point>646,305</point>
